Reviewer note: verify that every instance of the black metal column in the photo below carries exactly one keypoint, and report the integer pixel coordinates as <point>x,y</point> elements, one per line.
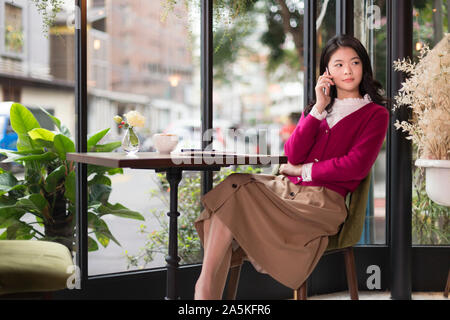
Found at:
<point>173,177</point>
<point>344,17</point>
<point>399,173</point>
<point>309,50</point>
<point>81,138</point>
<point>207,84</point>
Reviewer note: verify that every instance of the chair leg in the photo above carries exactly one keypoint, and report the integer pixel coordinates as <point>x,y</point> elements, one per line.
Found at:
<point>447,286</point>
<point>300,293</point>
<point>233,282</point>
<point>352,280</point>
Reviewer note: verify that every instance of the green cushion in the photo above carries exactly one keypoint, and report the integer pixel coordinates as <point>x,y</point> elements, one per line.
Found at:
<point>33,266</point>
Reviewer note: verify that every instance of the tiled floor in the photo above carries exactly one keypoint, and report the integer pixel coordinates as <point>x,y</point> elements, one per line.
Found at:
<point>370,295</point>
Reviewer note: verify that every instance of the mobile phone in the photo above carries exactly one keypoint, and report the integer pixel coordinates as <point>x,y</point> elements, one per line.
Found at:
<point>324,89</point>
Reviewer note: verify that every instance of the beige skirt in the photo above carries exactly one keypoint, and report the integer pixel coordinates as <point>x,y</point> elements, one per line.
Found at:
<point>280,227</point>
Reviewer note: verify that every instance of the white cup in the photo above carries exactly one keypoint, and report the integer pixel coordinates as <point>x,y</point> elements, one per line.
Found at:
<point>165,142</point>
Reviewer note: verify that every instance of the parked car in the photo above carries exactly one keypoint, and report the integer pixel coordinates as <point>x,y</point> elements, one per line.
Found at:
<point>8,138</point>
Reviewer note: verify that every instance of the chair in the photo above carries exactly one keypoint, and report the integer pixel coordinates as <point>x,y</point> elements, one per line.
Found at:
<point>348,235</point>
<point>29,268</point>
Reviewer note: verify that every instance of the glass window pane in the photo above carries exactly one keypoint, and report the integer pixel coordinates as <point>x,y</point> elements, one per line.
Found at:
<point>141,59</point>
<point>258,76</point>
<point>325,26</point>
<point>29,52</point>
<point>430,221</point>
<point>371,29</point>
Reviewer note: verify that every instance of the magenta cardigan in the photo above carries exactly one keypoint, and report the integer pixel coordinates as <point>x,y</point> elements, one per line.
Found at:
<point>342,155</point>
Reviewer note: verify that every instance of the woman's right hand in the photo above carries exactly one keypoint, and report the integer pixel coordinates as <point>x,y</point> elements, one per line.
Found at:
<point>323,99</point>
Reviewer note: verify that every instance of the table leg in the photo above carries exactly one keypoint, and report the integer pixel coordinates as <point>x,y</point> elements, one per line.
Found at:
<point>173,176</point>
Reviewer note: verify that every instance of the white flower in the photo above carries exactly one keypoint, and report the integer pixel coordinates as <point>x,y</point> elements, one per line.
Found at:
<point>135,119</point>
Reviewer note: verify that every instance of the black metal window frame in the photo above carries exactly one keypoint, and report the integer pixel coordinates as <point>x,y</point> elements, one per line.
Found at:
<point>396,259</point>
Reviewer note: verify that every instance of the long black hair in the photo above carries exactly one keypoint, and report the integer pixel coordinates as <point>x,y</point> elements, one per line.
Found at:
<point>368,84</point>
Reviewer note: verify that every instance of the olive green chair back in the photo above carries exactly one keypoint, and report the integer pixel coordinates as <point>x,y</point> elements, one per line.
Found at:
<point>351,230</point>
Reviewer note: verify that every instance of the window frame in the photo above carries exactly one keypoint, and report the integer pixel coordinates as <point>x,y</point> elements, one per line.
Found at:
<point>396,258</point>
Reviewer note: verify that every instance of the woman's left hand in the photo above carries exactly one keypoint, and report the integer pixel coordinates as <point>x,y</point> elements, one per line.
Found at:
<point>288,169</point>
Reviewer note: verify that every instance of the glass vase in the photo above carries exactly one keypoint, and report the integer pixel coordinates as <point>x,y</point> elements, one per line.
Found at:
<point>130,142</point>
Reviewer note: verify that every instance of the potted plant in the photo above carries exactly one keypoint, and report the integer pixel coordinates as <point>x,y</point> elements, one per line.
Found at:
<point>47,190</point>
<point>426,92</point>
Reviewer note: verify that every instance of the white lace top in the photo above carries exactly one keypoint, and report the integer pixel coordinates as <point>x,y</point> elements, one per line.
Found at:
<point>341,109</point>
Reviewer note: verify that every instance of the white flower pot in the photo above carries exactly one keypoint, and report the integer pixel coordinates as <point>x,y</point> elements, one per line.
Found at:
<point>437,179</point>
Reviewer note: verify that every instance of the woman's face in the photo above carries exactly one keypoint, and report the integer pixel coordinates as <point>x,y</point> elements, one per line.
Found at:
<point>346,68</point>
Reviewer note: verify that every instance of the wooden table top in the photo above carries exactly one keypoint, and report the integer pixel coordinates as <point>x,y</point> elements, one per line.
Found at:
<point>154,160</point>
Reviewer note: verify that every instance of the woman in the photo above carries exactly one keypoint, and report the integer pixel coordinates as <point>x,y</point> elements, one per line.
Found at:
<point>282,223</point>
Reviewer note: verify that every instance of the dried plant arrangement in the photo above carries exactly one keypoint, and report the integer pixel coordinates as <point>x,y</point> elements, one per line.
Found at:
<point>426,91</point>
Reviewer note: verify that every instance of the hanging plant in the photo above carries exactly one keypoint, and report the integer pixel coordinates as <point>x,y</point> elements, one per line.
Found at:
<point>48,10</point>
<point>225,13</point>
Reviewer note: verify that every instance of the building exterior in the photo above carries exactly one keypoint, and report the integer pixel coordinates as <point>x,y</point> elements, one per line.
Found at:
<point>25,73</point>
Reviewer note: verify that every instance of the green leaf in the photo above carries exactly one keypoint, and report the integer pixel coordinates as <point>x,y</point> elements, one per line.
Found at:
<point>61,127</point>
<point>48,156</point>
<point>41,134</point>
<point>107,147</point>
<point>120,211</point>
<point>101,230</point>
<point>113,171</point>
<point>36,203</point>
<point>22,120</point>
<point>21,152</point>
<point>19,231</point>
<point>70,187</point>
<point>24,142</point>
<point>9,215</point>
<point>94,139</point>
<point>63,145</point>
<point>54,178</point>
<point>9,183</point>
<point>92,244</point>
<point>102,170</point>
<point>102,238</point>
<point>99,192</point>
<point>100,179</point>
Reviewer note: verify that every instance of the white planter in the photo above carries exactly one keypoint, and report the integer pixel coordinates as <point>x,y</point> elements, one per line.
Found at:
<point>437,179</point>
